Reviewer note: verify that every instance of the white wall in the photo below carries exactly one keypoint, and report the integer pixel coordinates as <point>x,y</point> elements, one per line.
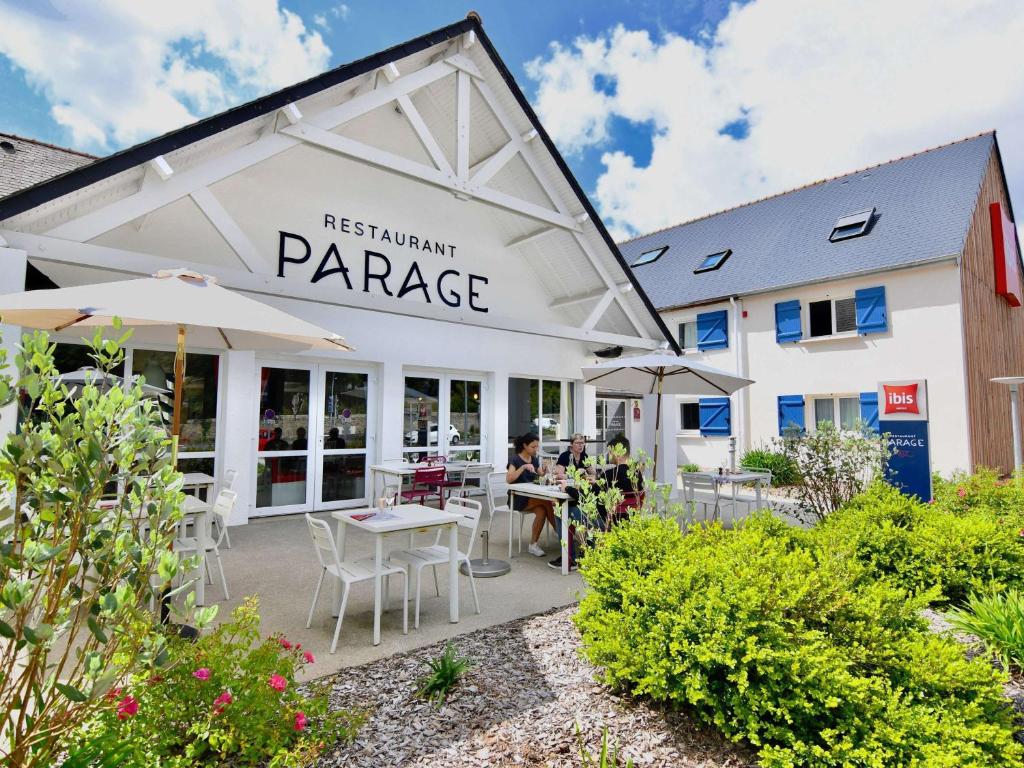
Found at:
<point>924,340</point>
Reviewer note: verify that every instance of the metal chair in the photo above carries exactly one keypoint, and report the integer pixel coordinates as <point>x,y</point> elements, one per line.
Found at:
<point>348,573</point>
<point>497,498</point>
<point>425,482</point>
<point>695,482</point>
<point>227,484</point>
<point>438,554</point>
<point>221,512</point>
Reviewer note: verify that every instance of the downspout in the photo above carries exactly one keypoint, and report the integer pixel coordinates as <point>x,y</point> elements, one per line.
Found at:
<point>743,396</point>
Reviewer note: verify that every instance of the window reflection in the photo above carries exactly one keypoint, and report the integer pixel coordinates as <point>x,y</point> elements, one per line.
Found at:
<point>199,395</point>
<point>420,418</point>
<point>344,410</point>
<point>284,409</point>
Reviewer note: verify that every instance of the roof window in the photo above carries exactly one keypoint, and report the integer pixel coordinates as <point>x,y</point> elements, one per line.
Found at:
<point>713,261</point>
<point>647,257</point>
<point>7,147</point>
<point>852,225</point>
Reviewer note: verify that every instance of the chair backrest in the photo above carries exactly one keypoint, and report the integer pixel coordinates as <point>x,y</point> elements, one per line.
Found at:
<point>631,503</point>
<point>222,507</point>
<point>323,541</point>
<point>229,479</point>
<point>470,512</point>
<point>497,490</point>
<point>695,481</point>
<point>434,459</point>
<point>428,476</point>
<point>761,471</point>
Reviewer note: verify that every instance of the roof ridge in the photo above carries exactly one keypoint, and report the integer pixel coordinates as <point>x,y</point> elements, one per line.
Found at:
<point>40,143</point>
<point>825,180</point>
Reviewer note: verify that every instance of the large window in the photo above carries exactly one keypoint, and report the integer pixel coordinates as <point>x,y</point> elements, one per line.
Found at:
<point>199,395</point>
<point>832,316</point>
<point>543,406</point>
<point>442,415</point>
<point>842,411</point>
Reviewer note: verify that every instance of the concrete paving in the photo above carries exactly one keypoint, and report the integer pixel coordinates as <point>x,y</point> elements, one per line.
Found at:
<point>274,559</point>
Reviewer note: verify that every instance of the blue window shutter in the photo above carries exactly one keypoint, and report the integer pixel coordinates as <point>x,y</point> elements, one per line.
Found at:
<point>713,330</point>
<point>869,410</point>
<point>791,413</point>
<point>715,418</point>
<point>871,314</point>
<point>787,322</point>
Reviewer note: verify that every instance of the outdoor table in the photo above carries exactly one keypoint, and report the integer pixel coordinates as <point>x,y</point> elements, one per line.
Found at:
<point>550,493</point>
<point>735,479</point>
<point>199,481</point>
<point>404,469</point>
<point>198,512</point>
<point>410,518</point>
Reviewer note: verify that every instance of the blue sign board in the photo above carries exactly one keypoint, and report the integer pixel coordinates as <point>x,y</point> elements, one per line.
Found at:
<point>910,467</point>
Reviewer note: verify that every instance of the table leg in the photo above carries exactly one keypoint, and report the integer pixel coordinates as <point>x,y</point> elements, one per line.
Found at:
<point>757,494</point>
<point>378,561</point>
<point>565,537</point>
<point>734,501</point>
<point>511,514</point>
<point>201,522</point>
<point>340,545</point>
<point>453,574</point>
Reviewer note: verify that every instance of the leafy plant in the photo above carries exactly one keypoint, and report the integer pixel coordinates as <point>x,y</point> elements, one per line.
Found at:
<point>691,467</point>
<point>834,466</point>
<point>78,571</point>
<point>779,641</point>
<point>445,672</point>
<point>784,471</point>
<point>998,620</point>
<point>605,758</point>
<point>229,697</point>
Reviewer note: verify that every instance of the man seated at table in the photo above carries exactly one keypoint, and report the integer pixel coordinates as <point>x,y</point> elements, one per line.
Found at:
<point>617,476</point>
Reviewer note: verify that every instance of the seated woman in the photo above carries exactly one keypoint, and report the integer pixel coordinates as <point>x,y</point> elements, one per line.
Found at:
<point>574,457</point>
<point>524,467</point>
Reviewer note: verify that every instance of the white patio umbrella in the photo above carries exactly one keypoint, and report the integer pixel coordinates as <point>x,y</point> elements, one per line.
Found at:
<point>662,373</point>
<point>170,307</point>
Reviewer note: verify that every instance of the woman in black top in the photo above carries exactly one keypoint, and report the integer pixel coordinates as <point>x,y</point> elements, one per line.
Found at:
<point>575,456</point>
<point>524,467</point>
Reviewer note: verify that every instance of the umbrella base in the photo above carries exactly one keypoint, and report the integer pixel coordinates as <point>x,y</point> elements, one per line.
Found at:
<point>486,569</point>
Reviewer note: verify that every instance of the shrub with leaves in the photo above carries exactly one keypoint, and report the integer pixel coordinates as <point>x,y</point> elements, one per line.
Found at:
<point>229,697</point>
<point>984,490</point>
<point>444,674</point>
<point>834,466</point>
<point>784,471</point>
<point>998,621</point>
<point>77,572</point>
<point>772,640</point>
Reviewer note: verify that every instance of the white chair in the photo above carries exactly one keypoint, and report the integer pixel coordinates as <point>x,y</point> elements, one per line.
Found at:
<point>474,481</point>
<point>227,484</point>
<point>695,483</point>
<point>220,511</point>
<point>348,573</point>
<point>497,498</point>
<point>438,554</point>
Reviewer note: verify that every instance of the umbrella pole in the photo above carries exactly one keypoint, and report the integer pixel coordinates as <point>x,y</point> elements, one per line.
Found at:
<point>657,427</point>
<point>179,380</point>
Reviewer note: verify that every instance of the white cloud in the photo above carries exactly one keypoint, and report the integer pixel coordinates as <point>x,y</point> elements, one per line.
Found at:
<point>339,11</point>
<point>119,71</point>
<point>825,88</point>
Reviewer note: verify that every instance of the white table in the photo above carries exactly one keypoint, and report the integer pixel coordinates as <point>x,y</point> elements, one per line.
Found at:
<point>409,518</point>
<point>736,479</point>
<point>403,469</point>
<point>199,481</point>
<point>550,493</point>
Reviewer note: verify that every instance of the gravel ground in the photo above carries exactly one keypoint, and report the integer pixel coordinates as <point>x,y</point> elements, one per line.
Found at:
<point>517,706</point>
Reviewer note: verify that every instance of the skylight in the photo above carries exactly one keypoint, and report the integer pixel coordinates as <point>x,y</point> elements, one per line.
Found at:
<point>713,261</point>
<point>852,225</point>
<point>649,256</point>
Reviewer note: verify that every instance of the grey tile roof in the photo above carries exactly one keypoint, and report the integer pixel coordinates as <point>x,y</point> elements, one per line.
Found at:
<point>27,161</point>
<point>923,206</point>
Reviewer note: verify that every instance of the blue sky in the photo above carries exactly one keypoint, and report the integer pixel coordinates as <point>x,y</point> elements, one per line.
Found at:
<point>665,110</point>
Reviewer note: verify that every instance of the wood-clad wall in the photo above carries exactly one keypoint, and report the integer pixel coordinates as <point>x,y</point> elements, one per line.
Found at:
<point>993,335</point>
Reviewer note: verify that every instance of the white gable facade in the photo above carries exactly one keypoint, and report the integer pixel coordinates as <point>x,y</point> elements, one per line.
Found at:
<point>409,202</point>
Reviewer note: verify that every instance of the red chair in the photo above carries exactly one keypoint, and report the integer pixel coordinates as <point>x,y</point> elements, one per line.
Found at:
<point>631,502</point>
<point>425,482</point>
<point>432,460</point>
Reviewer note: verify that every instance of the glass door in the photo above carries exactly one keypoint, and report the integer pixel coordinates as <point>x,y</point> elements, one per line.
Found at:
<point>442,415</point>
<point>282,453</point>
<point>342,440</point>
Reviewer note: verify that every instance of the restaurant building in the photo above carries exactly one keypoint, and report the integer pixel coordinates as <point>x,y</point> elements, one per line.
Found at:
<point>410,202</point>
<point>909,270</point>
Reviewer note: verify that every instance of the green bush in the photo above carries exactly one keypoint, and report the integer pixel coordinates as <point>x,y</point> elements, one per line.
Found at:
<point>691,467</point>
<point>984,490</point>
<point>229,697</point>
<point>998,621</point>
<point>922,546</point>
<point>799,650</point>
<point>784,471</point>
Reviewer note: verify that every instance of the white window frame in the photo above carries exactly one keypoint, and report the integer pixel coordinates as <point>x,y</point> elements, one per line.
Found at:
<point>811,419</point>
<point>573,411</point>
<point>445,378</point>
<point>806,319</point>
<point>681,432</point>
<point>681,322</point>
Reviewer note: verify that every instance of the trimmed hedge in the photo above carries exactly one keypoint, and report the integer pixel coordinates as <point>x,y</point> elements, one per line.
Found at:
<point>800,649</point>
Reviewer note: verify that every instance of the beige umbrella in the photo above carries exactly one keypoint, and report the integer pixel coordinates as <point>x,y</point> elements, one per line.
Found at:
<point>168,308</point>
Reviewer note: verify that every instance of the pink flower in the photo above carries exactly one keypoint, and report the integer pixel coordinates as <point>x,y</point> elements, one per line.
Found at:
<point>309,657</point>
<point>201,674</point>
<point>127,707</point>
<point>278,683</point>
<point>221,702</point>
<point>300,721</point>
<point>285,644</point>
<point>298,646</point>
<point>961,492</point>
<point>113,693</point>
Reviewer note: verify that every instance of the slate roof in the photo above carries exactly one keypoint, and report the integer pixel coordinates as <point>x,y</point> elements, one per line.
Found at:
<point>923,206</point>
<point>25,162</point>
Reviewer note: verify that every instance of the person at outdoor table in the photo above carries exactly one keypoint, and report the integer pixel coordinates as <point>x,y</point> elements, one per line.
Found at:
<point>575,456</point>
<point>525,467</point>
